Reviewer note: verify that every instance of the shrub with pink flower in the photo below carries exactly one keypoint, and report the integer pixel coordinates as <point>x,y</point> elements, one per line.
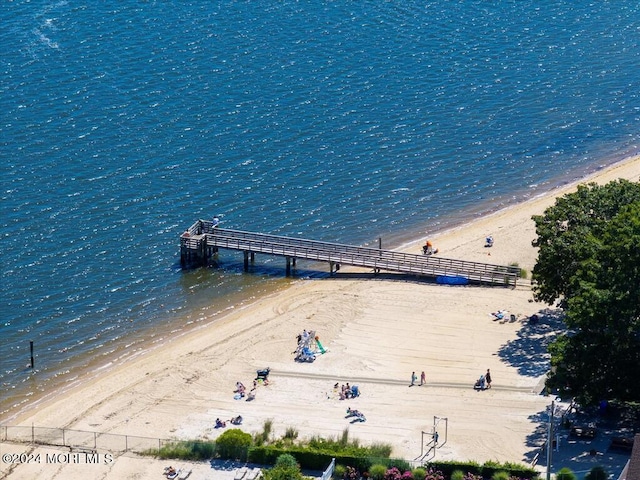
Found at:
<point>471,476</point>
<point>351,474</point>
<point>407,475</point>
<point>433,474</point>
<point>393,474</point>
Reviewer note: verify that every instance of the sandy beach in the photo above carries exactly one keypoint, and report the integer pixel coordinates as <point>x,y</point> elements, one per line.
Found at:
<point>377,331</point>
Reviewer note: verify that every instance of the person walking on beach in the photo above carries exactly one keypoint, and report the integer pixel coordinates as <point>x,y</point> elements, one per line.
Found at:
<point>423,378</point>
<point>413,379</point>
<point>487,378</point>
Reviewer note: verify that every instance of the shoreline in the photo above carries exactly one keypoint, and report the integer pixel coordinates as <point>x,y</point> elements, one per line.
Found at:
<point>545,198</point>
<point>409,242</point>
<point>176,388</point>
<point>186,328</point>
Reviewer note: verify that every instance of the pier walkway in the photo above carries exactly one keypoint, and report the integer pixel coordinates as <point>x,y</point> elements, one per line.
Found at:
<point>203,240</point>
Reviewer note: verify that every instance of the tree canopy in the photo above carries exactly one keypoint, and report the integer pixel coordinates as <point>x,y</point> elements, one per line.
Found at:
<point>589,261</point>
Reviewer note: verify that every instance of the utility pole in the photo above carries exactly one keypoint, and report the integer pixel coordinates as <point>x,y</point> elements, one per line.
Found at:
<point>550,442</point>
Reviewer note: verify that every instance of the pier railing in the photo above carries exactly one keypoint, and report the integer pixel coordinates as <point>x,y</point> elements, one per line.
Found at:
<point>205,239</point>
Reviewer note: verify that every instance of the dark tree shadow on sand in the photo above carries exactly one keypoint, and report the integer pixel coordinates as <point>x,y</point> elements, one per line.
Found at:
<point>528,352</point>
<point>536,440</point>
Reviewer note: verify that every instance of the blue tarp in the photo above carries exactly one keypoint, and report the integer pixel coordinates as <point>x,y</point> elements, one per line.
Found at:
<point>452,280</point>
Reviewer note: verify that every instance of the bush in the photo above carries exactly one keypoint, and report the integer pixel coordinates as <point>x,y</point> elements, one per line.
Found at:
<point>471,476</point>
<point>344,439</point>
<point>351,474</point>
<point>523,271</point>
<point>399,463</point>
<point>419,473</point>
<point>565,474</point>
<point>393,474</point>
<point>286,460</point>
<point>233,444</point>
<point>500,476</point>
<point>286,468</point>
<point>339,471</point>
<point>433,474</point>
<point>191,450</point>
<point>263,437</point>
<point>283,473</point>
<point>377,471</point>
<point>382,450</point>
<point>291,433</point>
<point>457,475</point>
<point>597,473</point>
<point>487,470</point>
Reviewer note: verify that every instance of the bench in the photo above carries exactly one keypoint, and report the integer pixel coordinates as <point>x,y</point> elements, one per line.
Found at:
<point>621,443</point>
<point>588,433</point>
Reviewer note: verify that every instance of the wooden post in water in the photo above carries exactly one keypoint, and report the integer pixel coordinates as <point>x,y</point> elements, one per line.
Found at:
<point>31,349</point>
<point>205,251</point>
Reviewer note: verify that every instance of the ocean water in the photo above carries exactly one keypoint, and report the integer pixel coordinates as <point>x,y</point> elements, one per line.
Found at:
<point>121,123</point>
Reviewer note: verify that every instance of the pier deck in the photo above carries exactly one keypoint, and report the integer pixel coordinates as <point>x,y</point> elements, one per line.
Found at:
<point>203,240</point>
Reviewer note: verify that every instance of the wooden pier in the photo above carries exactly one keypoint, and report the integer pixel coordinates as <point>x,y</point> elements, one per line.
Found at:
<point>204,239</point>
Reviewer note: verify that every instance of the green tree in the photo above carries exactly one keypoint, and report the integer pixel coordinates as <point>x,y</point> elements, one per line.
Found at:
<point>593,266</point>
<point>567,231</point>
<point>566,474</point>
<point>597,473</point>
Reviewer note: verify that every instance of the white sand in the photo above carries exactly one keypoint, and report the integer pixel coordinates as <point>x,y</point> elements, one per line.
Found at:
<point>377,331</point>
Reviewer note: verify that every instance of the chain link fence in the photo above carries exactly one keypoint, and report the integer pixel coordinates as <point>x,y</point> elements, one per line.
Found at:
<point>79,439</point>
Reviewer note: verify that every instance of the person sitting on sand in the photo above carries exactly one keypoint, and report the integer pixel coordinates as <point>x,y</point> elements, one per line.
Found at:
<point>427,248</point>
<point>236,420</point>
<point>170,471</point>
<point>220,423</point>
<point>239,388</point>
<point>359,416</point>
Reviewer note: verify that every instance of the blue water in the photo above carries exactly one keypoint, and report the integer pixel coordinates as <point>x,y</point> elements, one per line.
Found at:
<point>123,122</point>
